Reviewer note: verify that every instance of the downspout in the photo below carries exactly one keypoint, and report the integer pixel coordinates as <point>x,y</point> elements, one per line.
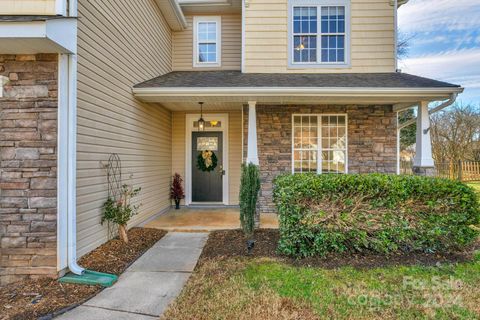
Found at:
<point>72,158</point>
<point>244,3</point>
<point>395,21</point>
<point>61,7</point>
<point>442,106</point>
<point>398,144</point>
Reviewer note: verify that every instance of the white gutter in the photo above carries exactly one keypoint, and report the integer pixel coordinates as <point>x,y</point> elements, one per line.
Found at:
<point>179,14</point>
<point>442,106</point>
<point>173,14</point>
<point>289,91</point>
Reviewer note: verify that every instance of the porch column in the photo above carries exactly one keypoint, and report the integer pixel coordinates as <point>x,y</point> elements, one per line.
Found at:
<point>252,149</point>
<point>423,162</point>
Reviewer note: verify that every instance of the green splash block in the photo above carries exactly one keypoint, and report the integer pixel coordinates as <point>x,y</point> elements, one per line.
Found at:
<point>90,277</point>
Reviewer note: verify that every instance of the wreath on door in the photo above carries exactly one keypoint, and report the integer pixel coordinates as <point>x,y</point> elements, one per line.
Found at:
<point>207,161</point>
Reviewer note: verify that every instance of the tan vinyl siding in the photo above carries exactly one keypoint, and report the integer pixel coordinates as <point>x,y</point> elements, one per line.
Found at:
<point>372,38</point>
<point>120,44</point>
<point>27,7</point>
<point>234,149</point>
<point>182,54</point>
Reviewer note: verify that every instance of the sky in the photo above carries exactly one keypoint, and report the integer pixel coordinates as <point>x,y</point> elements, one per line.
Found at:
<point>444,42</point>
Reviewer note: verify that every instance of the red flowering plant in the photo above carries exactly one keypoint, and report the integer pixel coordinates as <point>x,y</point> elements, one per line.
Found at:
<point>176,190</point>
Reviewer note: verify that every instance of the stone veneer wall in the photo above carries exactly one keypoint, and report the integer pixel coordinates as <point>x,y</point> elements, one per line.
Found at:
<point>372,141</point>
<point>28,167</point>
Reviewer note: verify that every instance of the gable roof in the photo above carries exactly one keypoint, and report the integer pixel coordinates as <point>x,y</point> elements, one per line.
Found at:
<point>236,79</point>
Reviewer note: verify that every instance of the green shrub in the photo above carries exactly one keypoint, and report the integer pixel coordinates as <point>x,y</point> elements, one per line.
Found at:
<point>249,187</point>
<point>379,213</point>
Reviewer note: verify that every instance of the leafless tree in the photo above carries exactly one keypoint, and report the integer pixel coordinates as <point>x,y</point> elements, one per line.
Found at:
<point>403,44</point>
<point>455,133</point>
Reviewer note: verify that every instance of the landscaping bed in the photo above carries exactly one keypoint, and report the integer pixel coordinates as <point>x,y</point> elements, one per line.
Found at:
<point>43,298</point>
<point>231,243</point>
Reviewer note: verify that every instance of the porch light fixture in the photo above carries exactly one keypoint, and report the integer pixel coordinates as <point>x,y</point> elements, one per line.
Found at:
<point>201,122</point>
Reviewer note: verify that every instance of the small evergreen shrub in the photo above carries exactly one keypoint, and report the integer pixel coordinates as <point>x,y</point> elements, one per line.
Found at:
<point>319,214</point>
<point>249,188</point>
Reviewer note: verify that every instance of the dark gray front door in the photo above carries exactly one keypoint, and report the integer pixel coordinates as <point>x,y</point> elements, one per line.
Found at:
<point>207,185</point>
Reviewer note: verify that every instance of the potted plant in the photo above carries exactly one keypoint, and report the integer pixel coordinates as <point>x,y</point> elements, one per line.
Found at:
<point>121,211</point>
<point>176,190</point>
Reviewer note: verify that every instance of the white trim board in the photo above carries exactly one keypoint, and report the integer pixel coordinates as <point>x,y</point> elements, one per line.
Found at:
<point>189,119</point>
<point>288,91</point>
<point>54,35</point>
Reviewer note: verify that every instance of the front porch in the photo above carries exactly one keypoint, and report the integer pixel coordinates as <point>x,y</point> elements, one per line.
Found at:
<point>206,219</point>
<point>286,123</point>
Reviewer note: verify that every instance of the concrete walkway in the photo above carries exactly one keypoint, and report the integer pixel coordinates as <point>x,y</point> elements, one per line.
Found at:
<point>206,219</point>
<point>148,286</point>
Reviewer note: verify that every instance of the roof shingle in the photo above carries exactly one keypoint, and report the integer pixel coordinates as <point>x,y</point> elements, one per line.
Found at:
<point>202,79</point>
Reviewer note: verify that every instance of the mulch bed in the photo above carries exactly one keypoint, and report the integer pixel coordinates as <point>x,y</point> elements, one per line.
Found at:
<point>45,298</point>
<point>232,243</point>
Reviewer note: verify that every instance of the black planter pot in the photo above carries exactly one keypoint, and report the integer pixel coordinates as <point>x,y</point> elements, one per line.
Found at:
<point>177,204</point>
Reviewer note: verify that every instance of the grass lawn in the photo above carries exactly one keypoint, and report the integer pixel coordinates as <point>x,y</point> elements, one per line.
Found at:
<point>475,185</point>
<point>267,288</point>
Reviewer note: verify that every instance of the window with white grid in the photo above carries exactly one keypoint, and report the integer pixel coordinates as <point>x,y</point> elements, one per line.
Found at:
<point>207,38</point>
<point>319,32</point>
<point>333,143</point>
<point>305,143</point>
<point>319,143</point>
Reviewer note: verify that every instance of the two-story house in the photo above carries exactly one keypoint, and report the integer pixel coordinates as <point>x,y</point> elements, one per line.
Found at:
<point>292,85</point>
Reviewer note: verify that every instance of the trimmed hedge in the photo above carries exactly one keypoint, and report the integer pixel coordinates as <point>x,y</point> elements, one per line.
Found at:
<point>319,214</point>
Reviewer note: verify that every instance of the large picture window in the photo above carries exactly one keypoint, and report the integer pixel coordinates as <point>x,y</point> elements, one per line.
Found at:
<point>319,143</point>
<point>206,46</point>
<point>319,32</point>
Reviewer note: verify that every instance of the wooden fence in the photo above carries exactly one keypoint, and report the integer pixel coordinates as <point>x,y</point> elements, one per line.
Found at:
<point>461,170</point>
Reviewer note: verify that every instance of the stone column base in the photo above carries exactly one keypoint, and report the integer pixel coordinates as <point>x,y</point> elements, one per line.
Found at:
<point>424,171</point>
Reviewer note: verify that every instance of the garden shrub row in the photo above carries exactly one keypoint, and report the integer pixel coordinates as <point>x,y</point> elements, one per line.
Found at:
<point>319,214</point>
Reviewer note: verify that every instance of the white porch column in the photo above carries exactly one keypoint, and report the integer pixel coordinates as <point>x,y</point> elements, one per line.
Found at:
<point>423,162</point>
<point>252,148</point>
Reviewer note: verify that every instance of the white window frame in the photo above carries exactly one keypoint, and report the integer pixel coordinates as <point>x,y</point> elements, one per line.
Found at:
<point>319,4</point>
<point>218,41</point>
<point>319,139</point>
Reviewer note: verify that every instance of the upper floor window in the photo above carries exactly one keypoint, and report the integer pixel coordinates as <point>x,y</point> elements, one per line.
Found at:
<point>319,33</point>
<point>206,41</point>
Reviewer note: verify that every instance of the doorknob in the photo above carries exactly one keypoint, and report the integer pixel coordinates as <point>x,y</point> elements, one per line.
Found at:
<point>221,171</point>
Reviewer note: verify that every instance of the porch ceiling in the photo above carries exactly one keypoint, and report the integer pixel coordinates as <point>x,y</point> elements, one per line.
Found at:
<point>211,6</point>
<point>223,89</point>
<point>209,106</point>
